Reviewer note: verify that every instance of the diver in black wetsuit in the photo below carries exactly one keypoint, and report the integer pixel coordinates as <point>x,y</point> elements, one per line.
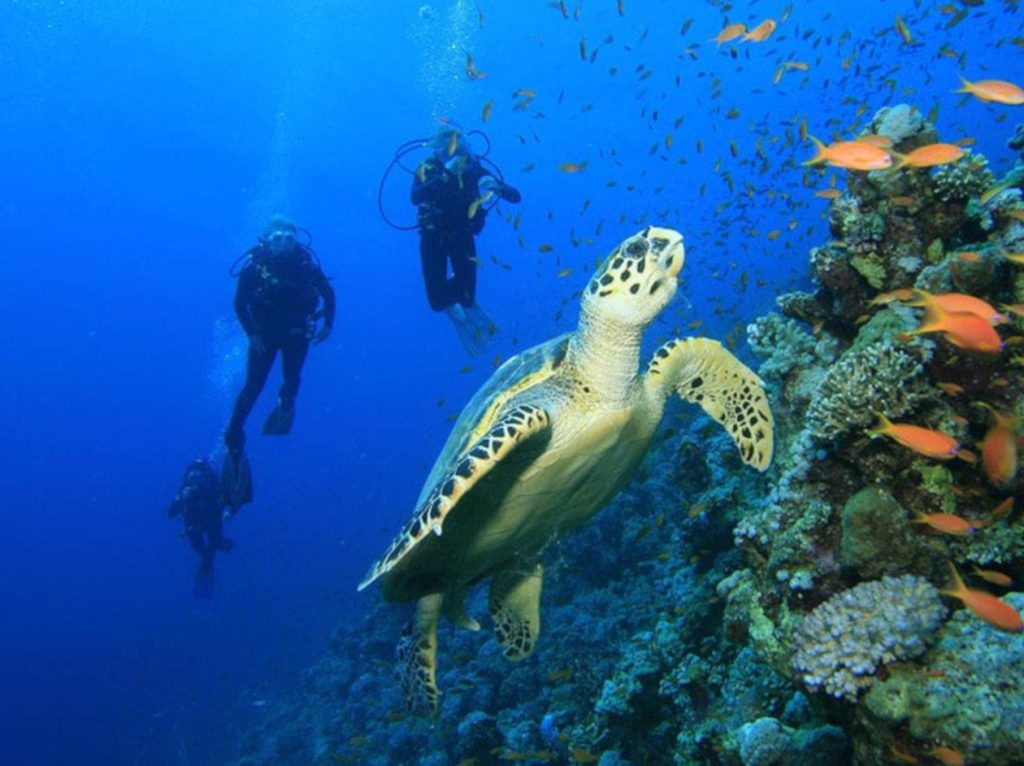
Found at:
<point>280,288</point>
<point>198,501</point>
<point>452,190</point>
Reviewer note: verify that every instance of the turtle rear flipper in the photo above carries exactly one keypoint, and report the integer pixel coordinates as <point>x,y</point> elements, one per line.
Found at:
<point>516,426</point>
<point>417,656</point>
<point>514,604</point>
<point>702,371</point>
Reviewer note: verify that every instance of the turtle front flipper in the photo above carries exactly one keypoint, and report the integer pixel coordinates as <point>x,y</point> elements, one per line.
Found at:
<point>417,656</point>
<point>513,428</point>
<point>514,604</point>
<point>700,370</point>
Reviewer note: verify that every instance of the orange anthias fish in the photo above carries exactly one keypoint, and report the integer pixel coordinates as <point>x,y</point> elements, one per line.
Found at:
<point>900,756</point>
<point>572,167</point>
<point>900,294</point>
<point>959,303</point>
<point>930,156</point>
<point>999,91</point>
<point>852,155</point>
<point>984,605</point>
<point>946,523</point>
<point>996,578</point>
<point>730,33</point>
<point>875,139</point>
<point>761,32</point>
<point>999,449</point>
<point>967,331</point>
<point>828,193</point>
<point>947,756</point>
<point>923,441</point>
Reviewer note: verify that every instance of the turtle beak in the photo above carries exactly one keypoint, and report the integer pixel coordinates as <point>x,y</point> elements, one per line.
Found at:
<point>678,256</point>
<point>667,245</point>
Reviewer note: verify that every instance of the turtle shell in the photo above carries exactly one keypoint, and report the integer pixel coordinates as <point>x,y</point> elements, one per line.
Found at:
<point>516,375</point>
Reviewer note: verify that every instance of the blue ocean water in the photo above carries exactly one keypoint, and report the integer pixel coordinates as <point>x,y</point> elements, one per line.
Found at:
<point>144,146</point>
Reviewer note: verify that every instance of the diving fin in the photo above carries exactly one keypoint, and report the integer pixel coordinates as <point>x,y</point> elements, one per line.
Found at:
<point>280,421</point>
<point>202,585</point>
<point>235,480</point>
<point>481,323</point>
<point>472,339</point>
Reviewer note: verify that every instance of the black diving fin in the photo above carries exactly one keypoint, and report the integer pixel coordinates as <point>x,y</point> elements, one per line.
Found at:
<point>280,421</point>
<point>235,480</point>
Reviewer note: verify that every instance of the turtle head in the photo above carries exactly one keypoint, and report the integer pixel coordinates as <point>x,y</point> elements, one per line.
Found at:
<point>639,278</point>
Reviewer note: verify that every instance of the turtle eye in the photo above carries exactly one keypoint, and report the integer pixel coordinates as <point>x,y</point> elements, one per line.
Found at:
<point>636,248</point>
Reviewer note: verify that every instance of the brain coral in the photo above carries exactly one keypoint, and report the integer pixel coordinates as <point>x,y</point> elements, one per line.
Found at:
<point>844,640</point>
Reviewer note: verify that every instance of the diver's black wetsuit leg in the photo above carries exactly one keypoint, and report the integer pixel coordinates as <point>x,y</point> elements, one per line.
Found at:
<point>260,363</point>
<point>463,253</point>
<point>215,534</point>
<point>293,356</point>
<point>196,540</point>
<point>434,261</point>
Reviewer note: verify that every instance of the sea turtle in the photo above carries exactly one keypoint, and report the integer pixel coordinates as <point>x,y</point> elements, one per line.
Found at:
<point>545,444</point>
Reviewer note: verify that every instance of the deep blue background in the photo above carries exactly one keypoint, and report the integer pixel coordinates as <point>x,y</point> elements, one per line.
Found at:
<point>142,148</point>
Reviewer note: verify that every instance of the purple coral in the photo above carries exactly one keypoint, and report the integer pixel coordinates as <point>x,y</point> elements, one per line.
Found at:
<point>843,641</point>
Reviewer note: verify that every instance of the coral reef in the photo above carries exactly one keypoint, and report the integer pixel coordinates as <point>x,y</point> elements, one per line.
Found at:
<point>1016,141</point>
<point>763,742</point>
<point>880,378</point>
<point>791,618</point>
<point>843,642</point>
<point>968,692</point>
<point>968,177</point>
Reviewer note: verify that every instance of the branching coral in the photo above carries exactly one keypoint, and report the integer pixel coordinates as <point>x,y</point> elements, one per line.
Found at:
<point>783,343</point>
<point>881,377</point>
<point>968,177</point>
<point>843,641</point>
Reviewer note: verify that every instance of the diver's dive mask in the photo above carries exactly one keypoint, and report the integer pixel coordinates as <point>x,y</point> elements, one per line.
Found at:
<point>280,241</point>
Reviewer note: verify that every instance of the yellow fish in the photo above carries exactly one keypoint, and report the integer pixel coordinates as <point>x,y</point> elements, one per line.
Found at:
<point>474,206</point>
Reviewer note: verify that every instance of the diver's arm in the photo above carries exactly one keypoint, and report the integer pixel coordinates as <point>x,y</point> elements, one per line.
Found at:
<point>327,296</point>
<point>433,180</point>
<point>509,193</point>
<point>177,506</point>
<point>503,190</point>
<point>243,295</point>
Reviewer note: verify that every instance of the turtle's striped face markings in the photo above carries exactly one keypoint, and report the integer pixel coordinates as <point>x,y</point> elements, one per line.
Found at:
<point>639,278</point>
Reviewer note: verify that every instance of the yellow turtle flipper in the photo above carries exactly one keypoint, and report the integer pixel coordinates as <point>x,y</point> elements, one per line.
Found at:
<point>512,429</point>
<point>417,656</point>
<point>702,371</point>
<point>514,604</point>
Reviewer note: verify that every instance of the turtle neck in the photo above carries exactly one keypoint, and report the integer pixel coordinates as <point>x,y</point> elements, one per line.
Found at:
<point>606,350</point>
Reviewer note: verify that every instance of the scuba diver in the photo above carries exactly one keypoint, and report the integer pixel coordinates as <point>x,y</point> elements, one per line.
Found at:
<point>451,189</point>
<point>200,504</point>
<point>282,293</point>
